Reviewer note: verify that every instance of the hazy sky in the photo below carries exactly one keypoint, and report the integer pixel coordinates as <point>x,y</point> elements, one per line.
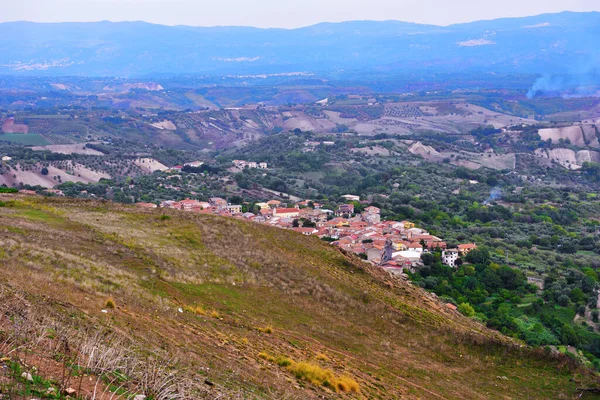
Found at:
<point>280,13</point>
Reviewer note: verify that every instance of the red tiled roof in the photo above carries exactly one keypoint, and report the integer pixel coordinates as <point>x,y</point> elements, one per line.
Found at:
<point>286,210</point>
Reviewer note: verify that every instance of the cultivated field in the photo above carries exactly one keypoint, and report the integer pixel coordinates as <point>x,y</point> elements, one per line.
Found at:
<point>78,173</point>
<point>150,165</point>
<point>166,124</point>
<point>69,149</point>
<point>29,139</point>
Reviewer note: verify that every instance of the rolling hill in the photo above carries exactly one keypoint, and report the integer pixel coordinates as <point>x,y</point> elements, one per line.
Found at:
<point>539,44</point>
<point>99,297</point>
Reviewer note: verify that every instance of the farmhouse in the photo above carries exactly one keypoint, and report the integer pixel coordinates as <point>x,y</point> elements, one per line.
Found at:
<point>464,249</point>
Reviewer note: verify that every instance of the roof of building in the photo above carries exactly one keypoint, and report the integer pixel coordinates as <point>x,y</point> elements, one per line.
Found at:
<point>286,210</point>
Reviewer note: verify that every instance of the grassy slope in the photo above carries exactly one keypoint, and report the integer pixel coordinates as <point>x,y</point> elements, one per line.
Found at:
<point>390,337</point>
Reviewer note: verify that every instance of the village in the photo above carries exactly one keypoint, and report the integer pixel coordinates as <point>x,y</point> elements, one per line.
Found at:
<point>396,246</point>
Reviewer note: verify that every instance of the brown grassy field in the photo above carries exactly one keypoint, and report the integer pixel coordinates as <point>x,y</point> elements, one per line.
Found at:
<point>206,307</point>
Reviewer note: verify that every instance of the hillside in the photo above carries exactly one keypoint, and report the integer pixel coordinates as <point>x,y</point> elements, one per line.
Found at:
<point>539,44</point>
<point>98,296</point>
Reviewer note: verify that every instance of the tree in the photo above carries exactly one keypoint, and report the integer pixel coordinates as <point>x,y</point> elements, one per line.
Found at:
<point>479,256</point>
<point>44,171</point>
<point>466,309</point>
<point>236,200</point>
<point>427,258</point>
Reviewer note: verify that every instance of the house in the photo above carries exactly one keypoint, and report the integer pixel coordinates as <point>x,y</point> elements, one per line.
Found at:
<point>344,209</point>
<point>252,164</point>
<point>351,197</point>
<point>262,206</point>
<point>262,165</point>
<point>372,210</point>
<point>464,249</point>
<point>371,218</point>
<point>203,205</point>
<point>194,164</point>
<point>313,215</point>
<point>286,212</point>
<point>218,202</point>
<point>415,247</point>
<point>374,254</point>
<point>305,231</point>
<point>234,208</point>
<point>408,224</point>
<point>434,244</point>
<point>6,158</point>
<point>273,203</point>
<point>30,192</point>
<point>188,204</point>
<point>449,257</point>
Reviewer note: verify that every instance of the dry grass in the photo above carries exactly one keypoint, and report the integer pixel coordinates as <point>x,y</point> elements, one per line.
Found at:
<point>198,310</point>
<point>314,373</point>
<point>68,256</point>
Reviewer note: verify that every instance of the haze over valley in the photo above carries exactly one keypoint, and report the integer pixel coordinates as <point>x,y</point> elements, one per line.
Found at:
<point>361,209</point>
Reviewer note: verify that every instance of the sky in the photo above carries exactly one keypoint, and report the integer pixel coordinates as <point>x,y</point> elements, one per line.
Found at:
<point>280,13</point>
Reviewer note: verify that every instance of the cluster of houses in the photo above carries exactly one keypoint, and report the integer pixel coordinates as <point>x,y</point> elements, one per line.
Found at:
<point>394,245</point>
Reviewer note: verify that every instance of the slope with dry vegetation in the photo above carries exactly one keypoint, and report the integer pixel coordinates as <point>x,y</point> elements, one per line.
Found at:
<point>115,302</point>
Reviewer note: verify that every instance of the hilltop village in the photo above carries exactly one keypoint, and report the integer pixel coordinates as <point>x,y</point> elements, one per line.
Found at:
<point>396,246</point>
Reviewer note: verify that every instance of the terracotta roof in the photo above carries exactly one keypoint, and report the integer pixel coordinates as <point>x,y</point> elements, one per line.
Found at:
<point>285,210</point>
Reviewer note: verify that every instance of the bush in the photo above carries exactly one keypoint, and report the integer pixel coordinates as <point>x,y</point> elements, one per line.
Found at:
<point>110,303</point>
<point>466,309</point>
<point>266,329</point>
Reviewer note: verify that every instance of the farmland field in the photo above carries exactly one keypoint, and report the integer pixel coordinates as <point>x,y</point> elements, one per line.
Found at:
<point>24,139</point>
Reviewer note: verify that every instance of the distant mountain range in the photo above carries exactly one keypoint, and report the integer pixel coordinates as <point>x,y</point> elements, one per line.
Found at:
<point>564,43</point>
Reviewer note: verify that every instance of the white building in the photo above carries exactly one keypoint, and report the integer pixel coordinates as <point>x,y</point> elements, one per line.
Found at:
<point>449,257</point>
<point>194,164</point>
<point>351,197</point>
